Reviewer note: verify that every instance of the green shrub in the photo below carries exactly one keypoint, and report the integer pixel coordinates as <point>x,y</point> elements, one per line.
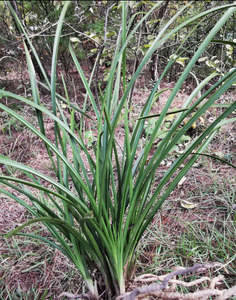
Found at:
<point>98,213</point>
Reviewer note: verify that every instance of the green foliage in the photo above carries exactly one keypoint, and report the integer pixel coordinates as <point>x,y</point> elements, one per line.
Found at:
<point>100,202</point>
<point>85,21</point>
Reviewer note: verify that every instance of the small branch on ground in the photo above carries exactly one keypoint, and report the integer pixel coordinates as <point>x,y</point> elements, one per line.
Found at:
<point>164,291</point>
<point>77,296</point>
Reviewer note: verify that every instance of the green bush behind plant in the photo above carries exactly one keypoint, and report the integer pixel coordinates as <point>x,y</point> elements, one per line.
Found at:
<point>98,214</point>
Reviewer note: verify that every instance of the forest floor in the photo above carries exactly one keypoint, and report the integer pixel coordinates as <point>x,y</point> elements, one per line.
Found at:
<point>197,224</point>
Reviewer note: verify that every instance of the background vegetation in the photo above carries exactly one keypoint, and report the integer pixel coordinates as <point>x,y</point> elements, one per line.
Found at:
<point>85,26</point>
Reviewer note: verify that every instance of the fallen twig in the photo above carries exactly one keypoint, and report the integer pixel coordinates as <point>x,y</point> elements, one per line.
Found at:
<point>163,291</point>
<point>77,296</point>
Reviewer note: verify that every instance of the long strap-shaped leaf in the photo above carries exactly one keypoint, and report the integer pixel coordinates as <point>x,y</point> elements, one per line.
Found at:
<point>22,29</point>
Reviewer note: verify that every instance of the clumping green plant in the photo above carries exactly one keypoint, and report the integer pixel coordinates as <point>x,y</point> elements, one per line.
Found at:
<point>97,209</point>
